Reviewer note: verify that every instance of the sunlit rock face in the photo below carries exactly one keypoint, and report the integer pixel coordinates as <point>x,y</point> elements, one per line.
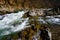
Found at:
<point>28,26</point>
<point>11,5</point>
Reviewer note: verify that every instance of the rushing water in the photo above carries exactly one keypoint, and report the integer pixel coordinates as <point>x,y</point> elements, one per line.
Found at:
<point>50,19</point>
<point>11,23</point>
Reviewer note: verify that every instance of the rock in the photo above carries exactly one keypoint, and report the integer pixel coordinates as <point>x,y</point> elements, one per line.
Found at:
<point>10,5</point>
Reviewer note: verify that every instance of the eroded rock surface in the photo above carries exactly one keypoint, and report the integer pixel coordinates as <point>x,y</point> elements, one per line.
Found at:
<point>11,5</point>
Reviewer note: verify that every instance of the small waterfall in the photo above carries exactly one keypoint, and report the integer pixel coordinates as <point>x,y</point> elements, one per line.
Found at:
<point>49,34</point>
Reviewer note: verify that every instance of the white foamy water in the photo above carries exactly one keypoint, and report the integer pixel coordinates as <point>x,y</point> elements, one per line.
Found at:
<point>53,19</point>
<point>50,19</point>
<point>49,34</point>
<point>13,22</point>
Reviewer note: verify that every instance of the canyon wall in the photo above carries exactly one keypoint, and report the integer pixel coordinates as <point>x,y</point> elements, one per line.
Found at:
<point>10,5</point>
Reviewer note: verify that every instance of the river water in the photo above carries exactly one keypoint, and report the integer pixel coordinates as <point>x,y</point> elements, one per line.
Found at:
<point>13,22</point>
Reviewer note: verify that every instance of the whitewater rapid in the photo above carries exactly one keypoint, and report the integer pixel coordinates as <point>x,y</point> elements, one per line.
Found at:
<point>10,23</point>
